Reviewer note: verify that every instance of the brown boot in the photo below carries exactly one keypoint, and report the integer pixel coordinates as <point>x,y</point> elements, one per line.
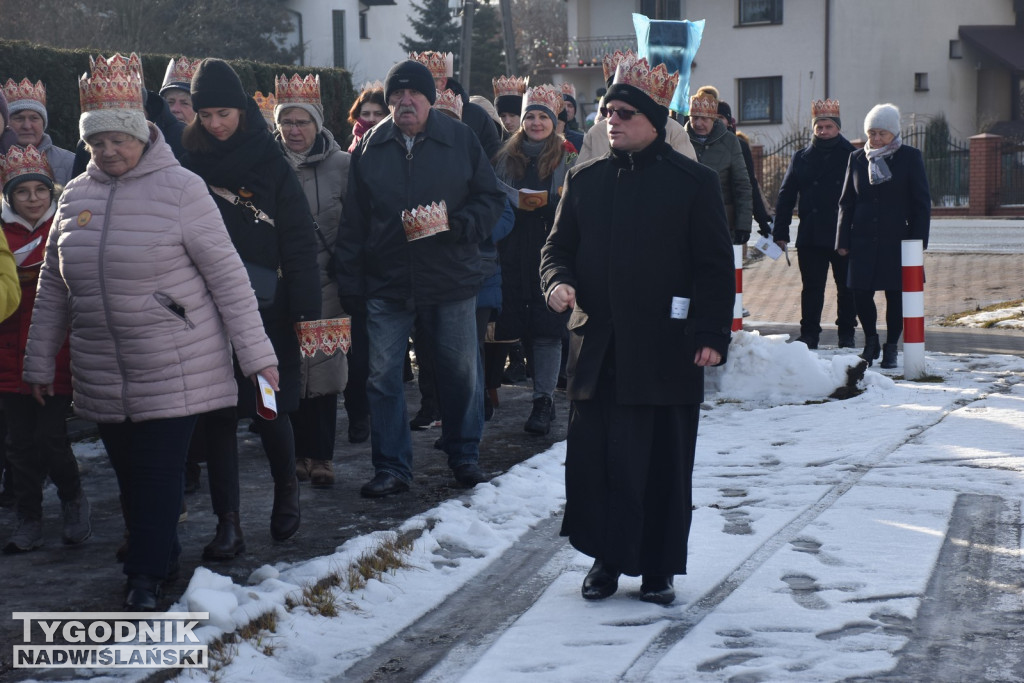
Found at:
<point>321,475</point>
<point>285,515</point>
<point>303,466</point>
<point>228,542</point>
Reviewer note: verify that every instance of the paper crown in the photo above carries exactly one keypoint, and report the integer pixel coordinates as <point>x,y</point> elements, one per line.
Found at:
<point>510,85</point>
<point>25,91</point>
<point>375,85</point>
<point>703,106</point>
<point>18,162</point>
<point>449,100</point>
<point>545,95</point>
<point>297,90</point>
<point>441,64</point>
<point>656,83</point>
<point>829,108</point>
<point>179,72</point>
<point>569,89</point>
<point>266,104</point>
<point>425,220</point>
<point>612,61</point>
<point>114,83</point>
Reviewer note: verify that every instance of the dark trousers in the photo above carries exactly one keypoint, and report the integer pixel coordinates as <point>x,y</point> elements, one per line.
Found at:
<point>315,425</point>
<point>426,377</point>
<point>215,440</point>
<point>357,405</point>
<point>39,446</point>
<point>868,314</point>
<point>814,263</point>
<point>149,461</point>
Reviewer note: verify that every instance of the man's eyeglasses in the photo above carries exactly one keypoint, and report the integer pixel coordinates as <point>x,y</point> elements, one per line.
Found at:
<point>294,124</point>
<point>624,114</point>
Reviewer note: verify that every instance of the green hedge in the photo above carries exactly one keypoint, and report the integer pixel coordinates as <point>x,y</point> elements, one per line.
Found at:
<point>59,70</point>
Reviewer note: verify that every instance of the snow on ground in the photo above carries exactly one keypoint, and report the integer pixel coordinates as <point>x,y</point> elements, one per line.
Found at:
<point>1011,318</point>
<point>823,519</point>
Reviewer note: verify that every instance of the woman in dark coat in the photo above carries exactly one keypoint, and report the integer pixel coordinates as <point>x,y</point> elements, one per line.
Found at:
<point>885,200</point>
<point>269,221</point>
<point>536,158</point>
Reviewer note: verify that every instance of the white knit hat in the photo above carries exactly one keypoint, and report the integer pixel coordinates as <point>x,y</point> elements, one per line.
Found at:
<point>130,121</point>
<point>883,117</point>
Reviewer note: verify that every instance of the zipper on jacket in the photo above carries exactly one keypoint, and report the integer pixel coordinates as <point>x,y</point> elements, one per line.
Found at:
<point>174,307</point>
<point>103,297</point>
<point>409,205</point>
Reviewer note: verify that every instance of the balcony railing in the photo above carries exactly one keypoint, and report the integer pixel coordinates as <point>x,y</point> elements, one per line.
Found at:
<point>590,51</point>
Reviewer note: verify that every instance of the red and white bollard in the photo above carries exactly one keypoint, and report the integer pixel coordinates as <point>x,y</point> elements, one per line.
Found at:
<point>737,307</point>
<point>913,309</point>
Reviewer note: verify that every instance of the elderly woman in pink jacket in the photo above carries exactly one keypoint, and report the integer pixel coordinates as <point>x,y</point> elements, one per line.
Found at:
<point>140,263</point>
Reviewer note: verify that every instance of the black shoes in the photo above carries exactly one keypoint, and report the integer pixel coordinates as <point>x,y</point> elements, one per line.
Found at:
<point>359,429</point>
<point>285,516</point>
<point>657,589</point>
<point>889,353</point>
<point>383,484</point>
<point>540,418</point>
<point>812,342</point>
<point>847,339</point>
<point>469,474</point>
<point>602,581</point>
<point>871,349</point>
<point>425,419</point>
<point>142,594</point>
<point>228,542</point>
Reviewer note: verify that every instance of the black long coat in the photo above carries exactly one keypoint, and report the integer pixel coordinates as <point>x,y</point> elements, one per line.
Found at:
<point>812,185</point>
<point>875,219</point>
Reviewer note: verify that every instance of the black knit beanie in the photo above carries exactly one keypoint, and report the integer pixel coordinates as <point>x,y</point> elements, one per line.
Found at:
<point>655,113</point>
<point>569,98</point>
<point>410,75</point>
<point>215,84</point>
<point>508,104</point>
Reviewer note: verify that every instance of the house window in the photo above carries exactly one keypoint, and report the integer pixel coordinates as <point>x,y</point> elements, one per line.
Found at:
<point>662,9</point>
<point>760,12</point>
<point>921,82</point>
<point>338,26</point>
<point>760,100</point>
<point>956,49</point>
<point>364,32</point>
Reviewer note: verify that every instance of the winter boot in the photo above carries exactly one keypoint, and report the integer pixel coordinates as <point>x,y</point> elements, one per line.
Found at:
<point>77,519</point>
<point>228,542</point>
<point>321,475</point>
<point>28,536</point>
<point>285,515</point>
<point>889,353</point>
<point>302,468</point>
<point>539,421</point>
<point>847,339</point>
<point>871,349</point>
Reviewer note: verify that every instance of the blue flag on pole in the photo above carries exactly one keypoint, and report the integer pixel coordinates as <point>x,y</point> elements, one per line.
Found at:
<point>674,44</point>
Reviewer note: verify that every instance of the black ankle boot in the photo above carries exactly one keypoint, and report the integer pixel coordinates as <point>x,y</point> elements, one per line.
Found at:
<point>871,349</point>
<point>539,421</point>
<point>602,581</point>
<point>889,353</point>
<point>657,588</point>
<point>228,542</point>
<point>285,516</point>
<point>142,594</point>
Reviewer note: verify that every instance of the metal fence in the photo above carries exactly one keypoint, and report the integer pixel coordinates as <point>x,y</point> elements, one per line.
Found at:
<point>1012,158</point>
<point>947,164</point>
<point>591,51</point>
<point>775,162</point>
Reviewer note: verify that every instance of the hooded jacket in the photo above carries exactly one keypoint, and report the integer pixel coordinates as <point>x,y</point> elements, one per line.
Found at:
<point>142,268</point>
<point>721,152</point>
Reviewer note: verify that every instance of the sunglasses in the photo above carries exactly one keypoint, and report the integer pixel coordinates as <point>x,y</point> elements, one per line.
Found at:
<point>624,114</point>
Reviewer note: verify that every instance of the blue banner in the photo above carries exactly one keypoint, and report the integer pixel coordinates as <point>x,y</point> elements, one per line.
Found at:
<point>674,44</point>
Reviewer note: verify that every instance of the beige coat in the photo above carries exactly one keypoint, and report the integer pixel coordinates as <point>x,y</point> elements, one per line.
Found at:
<point>142,268</point>
<point>595,142</point>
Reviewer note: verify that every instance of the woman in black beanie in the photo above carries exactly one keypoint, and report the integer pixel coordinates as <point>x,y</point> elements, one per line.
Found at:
<point>268,218</point>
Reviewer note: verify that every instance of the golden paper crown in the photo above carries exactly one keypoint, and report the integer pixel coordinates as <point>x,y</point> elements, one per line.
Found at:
<point>612,61</point>
<point>180,71</point>
<point>375,85</point>
<point>425,220</point>
<point>266,103</point>
<point>545,95</point>
<point>510,85</point>
<point>115,83</point>
<point>297,90</point>
<point>449,100</point>
<point>825,108</point>
<point>569,89</point>
<point>703,106</point>
<point>656,83</point>
<point>441,64</point>
<point>19,162</point>
<point>25,91</point>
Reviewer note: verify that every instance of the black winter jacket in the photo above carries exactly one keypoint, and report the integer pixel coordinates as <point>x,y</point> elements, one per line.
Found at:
<point>812,185</point>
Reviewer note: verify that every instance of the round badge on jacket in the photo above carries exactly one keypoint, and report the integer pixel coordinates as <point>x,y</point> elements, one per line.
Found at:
<point>84,218</point>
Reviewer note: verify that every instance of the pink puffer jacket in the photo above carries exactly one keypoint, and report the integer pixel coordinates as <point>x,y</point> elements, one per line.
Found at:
<point>142,268</point>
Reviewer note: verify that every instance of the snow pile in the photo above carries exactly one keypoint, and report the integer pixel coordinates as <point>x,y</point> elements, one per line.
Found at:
<point>1011,318</point>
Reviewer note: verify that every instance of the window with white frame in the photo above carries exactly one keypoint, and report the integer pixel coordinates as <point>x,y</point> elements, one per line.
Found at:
<point>760,100</point>
<point>760,12</point>
<point>662,9</point>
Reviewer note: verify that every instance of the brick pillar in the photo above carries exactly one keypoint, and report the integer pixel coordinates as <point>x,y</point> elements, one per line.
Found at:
<point>757,154</point>
<point>986,174</point>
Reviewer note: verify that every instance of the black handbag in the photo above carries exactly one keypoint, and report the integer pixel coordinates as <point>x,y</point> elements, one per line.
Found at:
<point>264,283</point>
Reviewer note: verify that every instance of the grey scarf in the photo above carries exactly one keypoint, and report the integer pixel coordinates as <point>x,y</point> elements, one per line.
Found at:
<point>878,170</point>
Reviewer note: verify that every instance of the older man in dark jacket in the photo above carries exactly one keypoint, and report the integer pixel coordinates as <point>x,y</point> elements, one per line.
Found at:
<point>418,158</point>
<point>815,176</point>
<point>640,248</point>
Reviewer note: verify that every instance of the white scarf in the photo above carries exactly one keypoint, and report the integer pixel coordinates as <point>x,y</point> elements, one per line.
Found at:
<point>878,170</point>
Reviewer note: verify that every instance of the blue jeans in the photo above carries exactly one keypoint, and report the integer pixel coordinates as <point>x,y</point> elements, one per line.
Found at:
<point>459,378</point>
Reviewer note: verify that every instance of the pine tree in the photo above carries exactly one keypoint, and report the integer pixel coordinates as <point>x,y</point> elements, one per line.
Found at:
<point>435,28</point>
<point>488,49</point>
